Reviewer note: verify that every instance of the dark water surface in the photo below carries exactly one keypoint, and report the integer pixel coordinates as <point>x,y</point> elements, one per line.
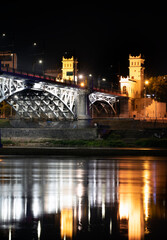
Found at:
<point>83,198</point>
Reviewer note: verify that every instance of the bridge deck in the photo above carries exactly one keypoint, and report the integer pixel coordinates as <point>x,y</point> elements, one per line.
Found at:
<point>45,78</point>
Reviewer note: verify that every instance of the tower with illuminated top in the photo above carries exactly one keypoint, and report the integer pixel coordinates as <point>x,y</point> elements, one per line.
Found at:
<point>69,69</point>
<point>136,74</point>
<point>133,85</point>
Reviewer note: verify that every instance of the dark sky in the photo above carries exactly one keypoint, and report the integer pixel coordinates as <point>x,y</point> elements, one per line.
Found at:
<point>101,35</point>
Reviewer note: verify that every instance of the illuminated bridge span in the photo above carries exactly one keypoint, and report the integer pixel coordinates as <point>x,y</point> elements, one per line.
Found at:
<point>39,98</point>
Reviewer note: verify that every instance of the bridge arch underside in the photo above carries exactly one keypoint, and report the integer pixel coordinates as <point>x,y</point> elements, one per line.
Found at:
<point>104,109</point>
<point>103,105</point>
<point>41,105</point>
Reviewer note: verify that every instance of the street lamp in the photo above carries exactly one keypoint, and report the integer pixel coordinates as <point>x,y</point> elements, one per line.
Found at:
<point>82,84</point>
<point>80,76</point>
<point>146,83</point>
<point>40,62</point>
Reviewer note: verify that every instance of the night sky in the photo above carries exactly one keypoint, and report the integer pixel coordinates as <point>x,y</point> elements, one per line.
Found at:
<point>100,35</point>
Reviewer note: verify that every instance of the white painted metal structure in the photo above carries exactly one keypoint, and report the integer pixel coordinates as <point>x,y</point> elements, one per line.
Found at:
<point>38,98</point>
<point>103,98</point>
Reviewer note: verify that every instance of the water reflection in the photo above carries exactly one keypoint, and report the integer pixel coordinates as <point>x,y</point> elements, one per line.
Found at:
<point>121,198</point>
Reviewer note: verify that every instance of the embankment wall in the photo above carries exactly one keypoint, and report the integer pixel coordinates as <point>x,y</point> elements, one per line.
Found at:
<point>48,133</point>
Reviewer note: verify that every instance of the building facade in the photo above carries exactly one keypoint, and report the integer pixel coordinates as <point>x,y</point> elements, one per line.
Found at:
<point>8,60</point>
<point>139,106</point>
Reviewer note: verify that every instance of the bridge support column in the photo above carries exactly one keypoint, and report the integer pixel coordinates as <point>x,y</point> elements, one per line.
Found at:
<point>83,108</point>
<point>124,107</point>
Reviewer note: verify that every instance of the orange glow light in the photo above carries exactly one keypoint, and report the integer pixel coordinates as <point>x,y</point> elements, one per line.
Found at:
<point>82,84</point>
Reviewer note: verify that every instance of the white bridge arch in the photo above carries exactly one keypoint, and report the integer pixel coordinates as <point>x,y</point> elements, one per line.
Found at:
<point>103,98</point>
<point>38,98</point>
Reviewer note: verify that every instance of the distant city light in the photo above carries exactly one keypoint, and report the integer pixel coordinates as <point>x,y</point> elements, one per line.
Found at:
<point>3,34</point>
<point>40,61</point>
<point>34,43</point>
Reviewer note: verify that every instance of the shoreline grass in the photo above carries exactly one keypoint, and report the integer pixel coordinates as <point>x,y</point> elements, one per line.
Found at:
<point>146,142</point>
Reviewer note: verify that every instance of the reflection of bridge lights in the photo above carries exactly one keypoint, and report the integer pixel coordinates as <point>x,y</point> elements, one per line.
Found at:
<point>39,229</point>
<point>36,207</point>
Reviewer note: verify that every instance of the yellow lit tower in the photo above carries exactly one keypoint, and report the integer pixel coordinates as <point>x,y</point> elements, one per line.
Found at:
<point>136,74</point>
<point>69,69</point>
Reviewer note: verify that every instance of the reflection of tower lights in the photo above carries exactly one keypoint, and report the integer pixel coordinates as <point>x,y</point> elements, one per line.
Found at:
<point>130,207</point>
<point>146,191</point>
<point>66,223</point>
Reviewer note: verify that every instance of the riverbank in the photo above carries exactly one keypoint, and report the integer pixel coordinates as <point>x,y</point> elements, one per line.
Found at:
<point>112,140</point>
<point>123,134</point>
<point>82,151</point>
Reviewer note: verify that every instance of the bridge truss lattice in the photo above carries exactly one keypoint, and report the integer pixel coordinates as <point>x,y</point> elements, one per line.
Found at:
<point>105,102</point>
<point>38,99</point>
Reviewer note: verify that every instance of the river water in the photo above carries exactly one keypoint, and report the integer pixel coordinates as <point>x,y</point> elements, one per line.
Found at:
<point>44,198</point>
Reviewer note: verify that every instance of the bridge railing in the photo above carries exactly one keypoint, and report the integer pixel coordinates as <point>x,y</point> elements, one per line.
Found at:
<point>110,91</point>
<point>60,81</point>
<point>34,76</point>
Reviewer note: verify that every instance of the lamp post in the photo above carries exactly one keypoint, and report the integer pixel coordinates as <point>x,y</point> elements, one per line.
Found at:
<point>40,62</point>
<point>86,81</point>
<point>38,53</point>
<point>81,80</point>
<point>146,83</point>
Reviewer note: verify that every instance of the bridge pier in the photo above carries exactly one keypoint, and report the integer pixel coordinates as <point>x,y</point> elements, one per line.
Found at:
<point>83,115</point>
<point>124,107</point>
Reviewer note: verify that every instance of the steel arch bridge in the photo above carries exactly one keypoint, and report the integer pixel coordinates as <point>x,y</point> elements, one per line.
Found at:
<point>40,98</point>
<point>103,102</point>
